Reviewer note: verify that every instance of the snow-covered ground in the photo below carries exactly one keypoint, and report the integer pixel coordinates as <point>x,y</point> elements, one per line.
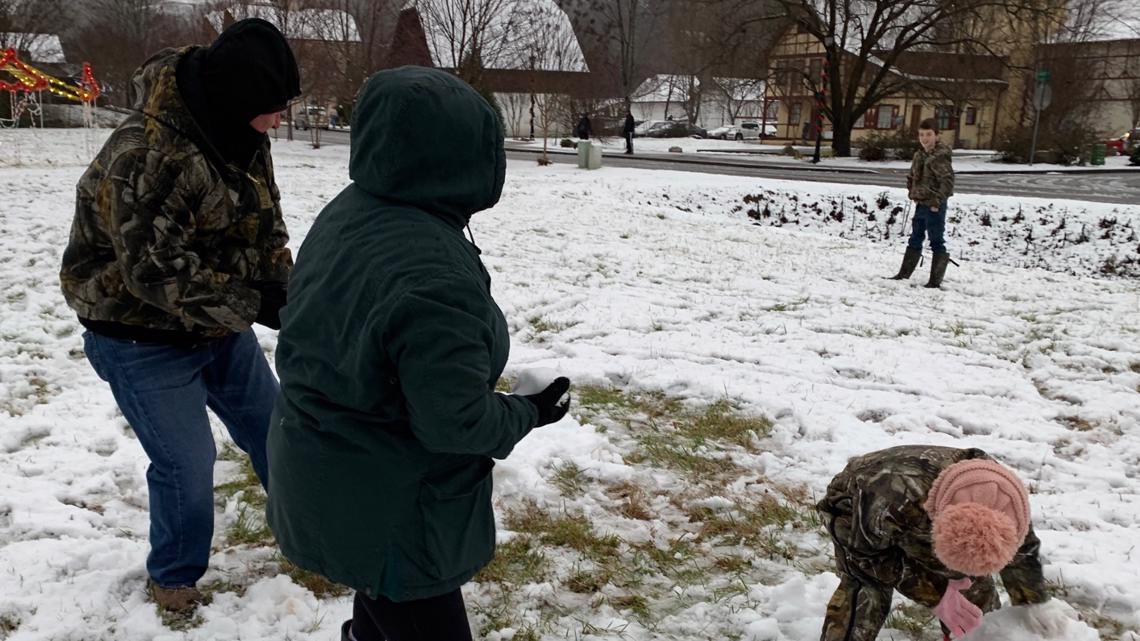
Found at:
<point>647,514</point>
<point>965,160</point>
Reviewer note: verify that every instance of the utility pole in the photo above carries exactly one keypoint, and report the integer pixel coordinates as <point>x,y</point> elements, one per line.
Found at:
<point>821,96</point>
<point>1042,98</point>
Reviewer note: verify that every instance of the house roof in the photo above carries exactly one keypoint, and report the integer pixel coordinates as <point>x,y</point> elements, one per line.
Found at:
<point>947,66</point>
<point>517,15</point>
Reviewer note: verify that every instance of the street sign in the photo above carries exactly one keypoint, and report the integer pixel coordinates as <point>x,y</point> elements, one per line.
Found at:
<point>1042,97</point>
<point>1043,76</point>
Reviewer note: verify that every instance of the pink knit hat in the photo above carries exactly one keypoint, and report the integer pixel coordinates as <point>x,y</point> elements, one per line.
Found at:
<point>980,512</point>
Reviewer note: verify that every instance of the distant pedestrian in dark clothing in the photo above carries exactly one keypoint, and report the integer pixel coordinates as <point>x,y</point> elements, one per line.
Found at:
<point>806,133</point>
<point>584,128</point>
<point>627,131</point>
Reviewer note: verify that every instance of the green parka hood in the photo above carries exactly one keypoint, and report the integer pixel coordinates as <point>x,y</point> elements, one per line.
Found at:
<point>423,138</point>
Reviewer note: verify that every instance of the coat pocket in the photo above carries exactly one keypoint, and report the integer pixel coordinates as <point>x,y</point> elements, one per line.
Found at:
<point>459,521</point>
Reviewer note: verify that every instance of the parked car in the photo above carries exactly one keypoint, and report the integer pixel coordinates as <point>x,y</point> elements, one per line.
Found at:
<point>1125,143</point>
<point>669,129</point>
<point>751,130</point>
<point>312,116</point>
<point>1118,143</point>
<point>723,132</point>
<point>745,130</point>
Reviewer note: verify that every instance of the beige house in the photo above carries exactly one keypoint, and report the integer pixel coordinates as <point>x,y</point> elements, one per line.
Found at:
<point>960,91</point>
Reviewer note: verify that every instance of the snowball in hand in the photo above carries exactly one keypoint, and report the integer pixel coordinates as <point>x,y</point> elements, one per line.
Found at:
<point>533,381</point>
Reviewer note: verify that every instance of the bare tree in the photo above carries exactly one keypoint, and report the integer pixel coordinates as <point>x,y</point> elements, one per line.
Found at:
<point>710,39</point>
<point>736,93</point>
<point>469,35</point>
<point>117,36</point>
<point>352,36</point>
<point>546,42</point>
<point>863,40</point>
<point>627,30</point>
<point>25,23</point>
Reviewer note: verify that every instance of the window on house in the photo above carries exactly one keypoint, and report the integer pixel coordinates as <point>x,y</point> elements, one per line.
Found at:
<point>816,71</point>
<point>971,115</point>
<point>796,76</point>
<point>795,112</point>
<point>869,119</point>
<point>944,115</point>
<point>886,116</point>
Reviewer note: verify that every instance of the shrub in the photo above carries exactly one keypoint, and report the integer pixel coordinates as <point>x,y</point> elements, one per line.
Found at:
<point>567,143</point>
<point>790,151</point>
<point>899,144</point>
<point>1068,145</point>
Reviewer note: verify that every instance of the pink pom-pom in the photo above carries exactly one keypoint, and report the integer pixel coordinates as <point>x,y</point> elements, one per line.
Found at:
<point>974,540</point>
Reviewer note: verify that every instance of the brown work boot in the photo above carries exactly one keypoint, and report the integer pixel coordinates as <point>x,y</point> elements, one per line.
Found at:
<point>181,600</point>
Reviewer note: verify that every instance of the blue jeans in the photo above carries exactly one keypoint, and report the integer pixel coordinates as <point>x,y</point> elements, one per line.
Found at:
<point>163,391</point>
<point>929,223</point>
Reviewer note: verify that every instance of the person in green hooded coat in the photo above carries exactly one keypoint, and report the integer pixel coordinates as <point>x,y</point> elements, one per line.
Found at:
<point>381,445</point>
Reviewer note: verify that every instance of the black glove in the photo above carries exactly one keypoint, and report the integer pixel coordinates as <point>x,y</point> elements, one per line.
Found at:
<point>550,409</point>
<point>272,300</point>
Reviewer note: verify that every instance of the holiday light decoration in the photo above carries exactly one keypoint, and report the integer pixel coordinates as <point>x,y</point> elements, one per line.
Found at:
<point>30,79</point>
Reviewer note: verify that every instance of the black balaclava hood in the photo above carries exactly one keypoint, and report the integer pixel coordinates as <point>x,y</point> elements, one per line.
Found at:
<point>248,71</point>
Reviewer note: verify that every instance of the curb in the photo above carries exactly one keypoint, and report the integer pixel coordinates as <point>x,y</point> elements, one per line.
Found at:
<point>656,157</point>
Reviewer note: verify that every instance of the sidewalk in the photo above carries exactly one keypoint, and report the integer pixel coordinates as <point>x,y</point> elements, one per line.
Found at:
<point>753,154</point>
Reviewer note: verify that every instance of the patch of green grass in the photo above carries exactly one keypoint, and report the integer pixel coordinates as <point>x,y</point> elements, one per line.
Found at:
<point>789,306</point>
<point>498,617</point>
<point>637,605</point>
<point>1075,423</point>
<point>759,525</point>
<point>8,624</point>
<point>691,440</point>
<point>570,480</point>
<point>180,621</point>
<point>597,397</point>
<point>586,581</point>
<point>541,326</point>
<point>567,530</point>
<point>321,587</point>
<point>249,528</point>
<point>517,562</point>
<point>719,422</point>
<point>665,450</point>
<point>910,619</point>
<point>222,586</point>
<point>680,561</point>
<point>732,564</point>
<point>633,500</point>
<point>1110,629</point>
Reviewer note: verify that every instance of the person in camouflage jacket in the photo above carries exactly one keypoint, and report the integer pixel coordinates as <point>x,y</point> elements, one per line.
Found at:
<point>177,247</point>
<point>930,184</point>
<point>878,513</point>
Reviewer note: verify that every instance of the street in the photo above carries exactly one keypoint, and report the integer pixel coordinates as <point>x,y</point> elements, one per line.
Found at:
<point>1109,187</point>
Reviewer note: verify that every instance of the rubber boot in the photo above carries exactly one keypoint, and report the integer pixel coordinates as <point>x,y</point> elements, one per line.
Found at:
<point>910,261</point>
<point>938,270</point>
